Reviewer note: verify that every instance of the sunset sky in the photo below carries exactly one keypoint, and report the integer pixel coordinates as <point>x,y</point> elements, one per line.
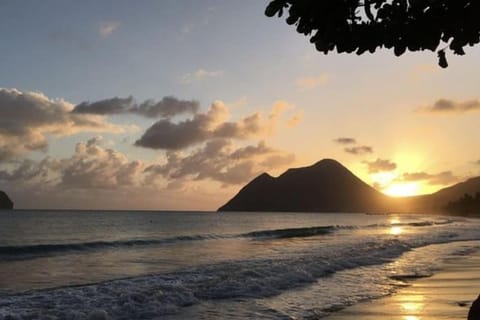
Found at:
<point>118,104</point>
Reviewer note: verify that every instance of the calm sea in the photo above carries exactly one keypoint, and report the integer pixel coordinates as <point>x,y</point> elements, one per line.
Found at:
<point>206,265</point>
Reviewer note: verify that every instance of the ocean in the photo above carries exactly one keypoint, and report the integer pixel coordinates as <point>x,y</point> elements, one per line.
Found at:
<point>208,265</point>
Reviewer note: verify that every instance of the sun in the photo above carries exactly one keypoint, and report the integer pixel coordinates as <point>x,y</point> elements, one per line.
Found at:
<point>402,189</point>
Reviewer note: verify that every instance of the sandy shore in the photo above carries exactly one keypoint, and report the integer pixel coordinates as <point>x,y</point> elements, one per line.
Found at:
<point>446,295</point>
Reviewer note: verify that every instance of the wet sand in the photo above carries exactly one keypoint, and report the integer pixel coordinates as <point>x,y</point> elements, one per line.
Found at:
<point>446,295</point>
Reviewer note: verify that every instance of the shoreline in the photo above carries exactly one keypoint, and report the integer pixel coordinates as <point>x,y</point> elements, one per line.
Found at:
<point>447,294</point>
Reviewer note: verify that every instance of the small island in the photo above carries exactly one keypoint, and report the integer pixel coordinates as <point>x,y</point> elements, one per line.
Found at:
<point>5,201</point>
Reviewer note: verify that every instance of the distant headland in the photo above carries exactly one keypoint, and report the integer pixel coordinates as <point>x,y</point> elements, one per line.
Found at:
<point>327,186</point>
<point>5,202</point>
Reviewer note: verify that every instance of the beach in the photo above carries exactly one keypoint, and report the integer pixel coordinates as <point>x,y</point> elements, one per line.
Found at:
<point>445,295</point>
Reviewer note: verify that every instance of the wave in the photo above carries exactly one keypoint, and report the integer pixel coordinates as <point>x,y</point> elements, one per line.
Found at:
<point>154,296</point>
<point>28,251</point>
<point>292,232</point>
<point>427,223</point>
<point>46,249</point>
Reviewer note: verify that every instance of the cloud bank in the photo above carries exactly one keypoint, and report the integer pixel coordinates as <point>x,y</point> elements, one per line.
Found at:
<point>219,161</point>
<point>213,124</point>
<point>27,118</point>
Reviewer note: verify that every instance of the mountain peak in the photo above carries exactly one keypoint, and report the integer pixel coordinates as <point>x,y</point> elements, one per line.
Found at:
<point>326,186</point>
<point>328,163</point>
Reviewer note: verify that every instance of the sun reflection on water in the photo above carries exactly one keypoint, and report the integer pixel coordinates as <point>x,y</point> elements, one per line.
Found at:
<point>411,306</point>
<point>396,230</point>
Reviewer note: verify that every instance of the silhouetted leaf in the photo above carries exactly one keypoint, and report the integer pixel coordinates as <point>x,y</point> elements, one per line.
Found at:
<point>359,26</point>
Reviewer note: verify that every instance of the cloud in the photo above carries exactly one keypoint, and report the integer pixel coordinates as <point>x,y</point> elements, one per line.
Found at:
<point>210,125</point>
<point>168,107</point>
<point>107,28</point>
<point>250,151</point>
<point>380,165</point>
<point>359,150</point>
<point>308,83</point>
<point>343,140</point>
<point>453,107</point>
<point>200,74</point>
<point>442,178</point>
<point>91,167</point>
<point>219,161</point>
<point>27,118</point>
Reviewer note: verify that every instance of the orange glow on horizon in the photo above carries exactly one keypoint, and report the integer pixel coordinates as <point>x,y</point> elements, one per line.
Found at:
<point>402,189</point>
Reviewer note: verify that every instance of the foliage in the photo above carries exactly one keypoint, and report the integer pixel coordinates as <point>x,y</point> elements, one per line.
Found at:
<point>466,205</point>
<point>366,25</point>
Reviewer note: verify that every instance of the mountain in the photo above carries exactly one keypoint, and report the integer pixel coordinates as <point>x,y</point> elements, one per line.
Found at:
<point>326,186</point>
<point>438,200</point>
<point>5,202</point>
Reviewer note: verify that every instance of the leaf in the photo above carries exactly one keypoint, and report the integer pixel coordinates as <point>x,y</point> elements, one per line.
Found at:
<point>442,60</point>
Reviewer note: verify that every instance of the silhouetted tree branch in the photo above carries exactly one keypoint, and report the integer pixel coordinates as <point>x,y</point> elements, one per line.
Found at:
<point>401,25</point>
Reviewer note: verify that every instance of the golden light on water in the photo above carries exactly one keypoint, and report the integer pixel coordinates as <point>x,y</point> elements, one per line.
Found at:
<point>394,220</point>
<point>413,305</point>
<point>396,230</point>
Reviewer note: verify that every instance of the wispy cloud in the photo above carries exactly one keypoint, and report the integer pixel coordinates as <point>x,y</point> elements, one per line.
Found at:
<point>200,74</point>
<point>380,165</point>
<point>107,28</point>
<point>344,140</point>
<point>442,178</point>
<point>312,82</point>
<point>445,106</point>
<point>359,150</point>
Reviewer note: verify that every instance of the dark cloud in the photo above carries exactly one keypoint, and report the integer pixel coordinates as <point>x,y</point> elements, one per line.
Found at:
<point>219,161</point>
<point>380,165</point>
<point>359,150</point>
<point>166,108</point>
<point>450,106</point>
<point>26,118</point>
<point>442,178</point>
<point>203,127</point>
<point>171,136</point>
<point>343,140</point>
<point>108,106</point>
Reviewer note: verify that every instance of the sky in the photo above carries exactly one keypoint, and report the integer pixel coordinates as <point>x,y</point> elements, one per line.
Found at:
<point>175,105</point>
